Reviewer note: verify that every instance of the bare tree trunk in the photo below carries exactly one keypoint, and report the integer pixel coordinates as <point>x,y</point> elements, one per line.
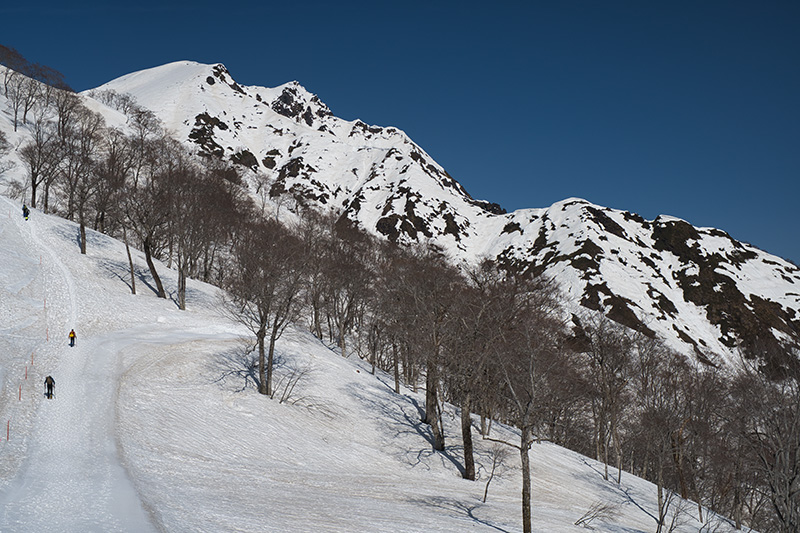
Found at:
<point>605,437</point>
<point>271,361</point>
<point>677,458</point>
<point>662,512</point>
<point>432,408</point>
<point>33,194</point>
<point>262,373</point>
<point>83,237</point>
<point>737,497</point>
<point>182,288</point>
<point>47,196</point>
<point>466,437</point>
<point>525,443</point>
<point>130,260</point>
<point>618,451</point>
<point>148,257</point>
<point>396,369</point>
<point>316,326</point>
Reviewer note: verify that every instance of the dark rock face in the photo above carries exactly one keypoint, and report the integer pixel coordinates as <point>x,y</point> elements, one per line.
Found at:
<point>245,158</point>
<point>292,103</point>
<point>287,104</point>
<point>222,74</point>
<point>203,134</point>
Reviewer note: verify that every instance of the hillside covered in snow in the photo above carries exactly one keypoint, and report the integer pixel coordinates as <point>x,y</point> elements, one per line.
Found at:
<point>156,425</point>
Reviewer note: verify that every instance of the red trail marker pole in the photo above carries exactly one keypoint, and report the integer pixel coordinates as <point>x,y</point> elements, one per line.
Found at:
<point>20,393</point>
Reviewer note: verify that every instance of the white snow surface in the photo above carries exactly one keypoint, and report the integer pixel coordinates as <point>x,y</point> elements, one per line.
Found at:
<point>155,427</point>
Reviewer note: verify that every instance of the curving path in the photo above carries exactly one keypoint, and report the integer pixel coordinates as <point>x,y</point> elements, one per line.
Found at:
<point>72,478</point>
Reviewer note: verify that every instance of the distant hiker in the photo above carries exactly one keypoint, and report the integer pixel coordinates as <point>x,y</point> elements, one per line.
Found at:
<point>49,386</point>
<point>72,337</point>
<point>25,211</point>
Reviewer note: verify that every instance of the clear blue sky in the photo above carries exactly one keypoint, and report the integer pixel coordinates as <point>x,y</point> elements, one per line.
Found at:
<point>687,108</point>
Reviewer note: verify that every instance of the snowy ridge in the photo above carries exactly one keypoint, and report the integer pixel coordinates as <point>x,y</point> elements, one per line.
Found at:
<point>706,294</point>
<point>155,426</point>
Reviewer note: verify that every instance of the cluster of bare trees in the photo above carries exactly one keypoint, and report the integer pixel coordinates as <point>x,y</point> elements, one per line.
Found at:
<point>494,343</point>
<point>25,83</point>
<point>497,345</point>
<point>726,439</point>
<point>137,183</point>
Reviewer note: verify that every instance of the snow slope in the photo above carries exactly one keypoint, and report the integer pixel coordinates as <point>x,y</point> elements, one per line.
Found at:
<point>156,425</point>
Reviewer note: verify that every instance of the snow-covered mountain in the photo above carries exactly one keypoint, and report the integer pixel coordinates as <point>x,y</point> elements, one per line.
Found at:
<point>156,427</point>
<point>704,292</point>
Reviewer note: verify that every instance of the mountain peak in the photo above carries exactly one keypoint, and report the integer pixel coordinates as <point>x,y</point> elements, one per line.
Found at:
<point>297,103</point>
<point>705,293</point>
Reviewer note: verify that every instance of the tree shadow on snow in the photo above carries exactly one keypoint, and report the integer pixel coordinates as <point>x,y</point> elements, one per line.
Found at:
<point>94,239</point>
<point>457,508</point>
<point>122,272</point>
<point>239,366</point>
<point>610,487</point>
<point>395,420</point>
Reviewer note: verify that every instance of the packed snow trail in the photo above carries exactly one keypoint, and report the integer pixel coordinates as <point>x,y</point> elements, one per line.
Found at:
<point>72,478</point>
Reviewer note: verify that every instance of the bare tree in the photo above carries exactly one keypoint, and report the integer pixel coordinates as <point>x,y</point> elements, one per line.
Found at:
<point>5,149</point>
<point>772,434</point>
<point>15,95</point>
<point>202,208</point>
<point>28,92</point>
<point>113,168</point>
<point>528,350</point>
<point>148,198</point>
<point>315,229</point>
<point>65,104</point>
<point>661,416</point>
<point>143,199</point>
<point>387,312</point>
<point>598,511</point>
<point>265,283</point>
<point>423,290</point>
<point>346,279</point>
<point>80,149</point>
<point>15,64</point>
<point>40,155</point>
<point>608,348</point>
<point>476,328</point>
<point>499,454</point>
